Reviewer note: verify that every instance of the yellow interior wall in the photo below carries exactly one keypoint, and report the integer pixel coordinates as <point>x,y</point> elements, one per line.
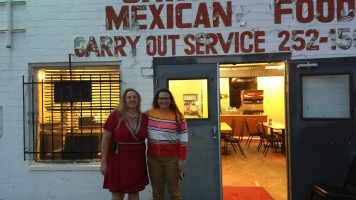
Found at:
<point>180,87</point>
<point>225,93</point>
<point>273,103</point>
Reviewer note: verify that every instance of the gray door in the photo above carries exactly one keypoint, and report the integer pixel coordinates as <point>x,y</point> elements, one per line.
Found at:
<point>195,90</point>
<point>321,128</point>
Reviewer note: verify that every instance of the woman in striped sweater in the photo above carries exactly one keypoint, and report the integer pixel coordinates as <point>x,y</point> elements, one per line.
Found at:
<point>167,145</point>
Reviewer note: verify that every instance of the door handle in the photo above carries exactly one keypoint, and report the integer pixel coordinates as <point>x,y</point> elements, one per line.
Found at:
<point>215,135</point>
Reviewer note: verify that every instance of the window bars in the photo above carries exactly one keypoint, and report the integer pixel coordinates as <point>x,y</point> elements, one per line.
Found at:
<point>66,110</point>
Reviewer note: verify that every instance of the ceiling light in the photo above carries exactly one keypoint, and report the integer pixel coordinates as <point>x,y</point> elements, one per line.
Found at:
<point>275,67</point>
<point>242,64</point>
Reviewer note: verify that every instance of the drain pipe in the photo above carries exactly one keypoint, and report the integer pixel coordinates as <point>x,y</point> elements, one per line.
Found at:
<point>1,124</point>
<point>9,28</point>
<point>9,23</point>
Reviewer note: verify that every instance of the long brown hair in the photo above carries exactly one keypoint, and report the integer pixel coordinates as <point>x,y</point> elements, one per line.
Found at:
<point>121,109</point>
<point>173,106</point>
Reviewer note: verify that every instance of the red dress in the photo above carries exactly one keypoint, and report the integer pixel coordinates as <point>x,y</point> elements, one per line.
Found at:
<point>127,170</point>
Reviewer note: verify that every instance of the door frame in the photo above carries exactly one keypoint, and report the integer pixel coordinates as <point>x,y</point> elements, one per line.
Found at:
<point>226,59</point>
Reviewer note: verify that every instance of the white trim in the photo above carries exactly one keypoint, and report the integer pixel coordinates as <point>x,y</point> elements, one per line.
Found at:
<point>92,166</point>
<point>76,64</point>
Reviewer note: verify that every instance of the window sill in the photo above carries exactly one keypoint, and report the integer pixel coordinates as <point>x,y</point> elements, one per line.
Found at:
<point>91,166</point>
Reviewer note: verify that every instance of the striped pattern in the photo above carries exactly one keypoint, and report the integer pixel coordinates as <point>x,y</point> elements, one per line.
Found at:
<point>163,138</point>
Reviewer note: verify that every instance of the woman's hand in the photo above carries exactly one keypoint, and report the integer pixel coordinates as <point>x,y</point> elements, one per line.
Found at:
<point>181,165</point>
<point>103,169</point>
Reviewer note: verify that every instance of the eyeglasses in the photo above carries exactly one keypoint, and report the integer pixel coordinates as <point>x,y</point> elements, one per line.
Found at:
<point>164,98</point>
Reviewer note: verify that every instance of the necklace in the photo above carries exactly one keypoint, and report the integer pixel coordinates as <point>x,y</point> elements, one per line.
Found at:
<point>134,118</point>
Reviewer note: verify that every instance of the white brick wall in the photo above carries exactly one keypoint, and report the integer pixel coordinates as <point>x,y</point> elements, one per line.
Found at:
<point>51,27</point>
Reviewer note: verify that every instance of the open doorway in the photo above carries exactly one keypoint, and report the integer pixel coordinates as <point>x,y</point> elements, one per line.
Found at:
<point>254,93</point>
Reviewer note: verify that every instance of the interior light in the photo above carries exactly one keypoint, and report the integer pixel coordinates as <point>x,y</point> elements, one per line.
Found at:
<point>242,64</point>
<point>41,76</point>
<point>275,67</point>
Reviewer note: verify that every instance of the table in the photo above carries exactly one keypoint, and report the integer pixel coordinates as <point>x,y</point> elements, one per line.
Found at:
<point>278,126</point>
<point>225,130</point>
<point>224,127</point>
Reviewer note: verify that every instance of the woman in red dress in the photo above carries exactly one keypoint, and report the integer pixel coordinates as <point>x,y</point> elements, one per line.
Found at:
<point>123,159</point>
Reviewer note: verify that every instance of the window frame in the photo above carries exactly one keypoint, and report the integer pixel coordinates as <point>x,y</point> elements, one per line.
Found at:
<point>350,82</point>
<point>30,109</point>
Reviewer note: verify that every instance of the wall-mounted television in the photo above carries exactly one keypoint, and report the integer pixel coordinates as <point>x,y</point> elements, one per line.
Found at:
<point>72,91</point>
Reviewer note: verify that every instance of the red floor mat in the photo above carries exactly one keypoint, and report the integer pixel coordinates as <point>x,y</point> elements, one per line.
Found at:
<point>245,193</point>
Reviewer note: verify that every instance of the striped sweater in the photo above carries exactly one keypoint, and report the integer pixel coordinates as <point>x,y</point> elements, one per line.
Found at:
<point>163,139</point>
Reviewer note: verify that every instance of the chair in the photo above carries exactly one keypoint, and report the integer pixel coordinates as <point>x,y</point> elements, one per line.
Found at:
<point>264,137</point>
<point>235,141</point>
<point>232,125</point>
<point>227,135</point>
<point>250,134</point>
<point>272,141</point>
<point>347,191</point>
<point>224,135</point>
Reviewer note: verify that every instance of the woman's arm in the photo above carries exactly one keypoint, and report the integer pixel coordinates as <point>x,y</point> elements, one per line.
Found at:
<point>183,143</point>
<point>104,151</point>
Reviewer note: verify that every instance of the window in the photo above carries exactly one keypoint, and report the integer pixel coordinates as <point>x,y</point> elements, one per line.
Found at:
<point>326,96</point>
<point>191,97</point>
<point>68,110</point>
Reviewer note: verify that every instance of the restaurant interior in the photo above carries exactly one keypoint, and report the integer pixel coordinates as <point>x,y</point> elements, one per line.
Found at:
<point>252,109</point>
